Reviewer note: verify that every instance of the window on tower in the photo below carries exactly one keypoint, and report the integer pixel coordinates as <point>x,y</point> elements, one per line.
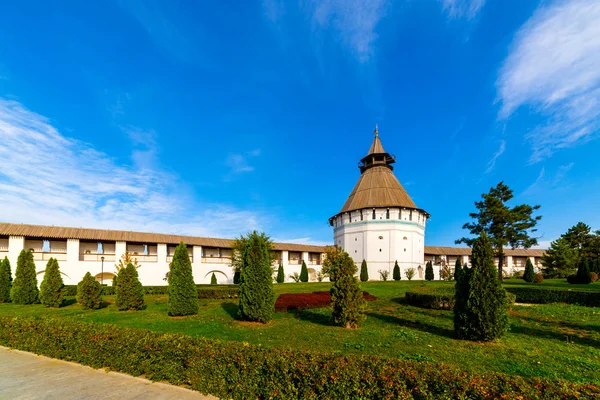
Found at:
<point>387,214</point>
<point>374,217</point>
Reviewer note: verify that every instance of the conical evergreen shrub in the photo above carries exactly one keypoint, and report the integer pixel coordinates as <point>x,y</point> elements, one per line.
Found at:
<point>52,289</point>
<point>457,269</point>
<point>481,305</point>
<point>280,274</point>
<point>89,293</point>
<point>129,291</point>
<point>24,288</point>
<point>257,298</point>
<point>183,294</point>
<point>396,274</point>
<point>114,281</point>
<point>5,280</point>
<point>583,272</point>
<point>529,274</point>
<point>364,271</point>
<point>213,279</point>
<point>236,277</point>
<point>347,302</point>
<point>303,272</point>
<point>429,271</point>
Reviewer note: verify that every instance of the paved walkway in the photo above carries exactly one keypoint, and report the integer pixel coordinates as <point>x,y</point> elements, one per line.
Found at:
<point>25,376</point>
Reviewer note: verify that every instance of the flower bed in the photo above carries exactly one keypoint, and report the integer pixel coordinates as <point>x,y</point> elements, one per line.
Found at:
<point>303,301</point>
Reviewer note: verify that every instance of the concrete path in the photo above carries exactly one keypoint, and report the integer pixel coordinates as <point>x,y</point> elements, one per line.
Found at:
<point>28,376</point>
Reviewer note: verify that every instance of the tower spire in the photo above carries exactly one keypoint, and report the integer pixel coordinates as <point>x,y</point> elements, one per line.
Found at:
<point>376,131</point>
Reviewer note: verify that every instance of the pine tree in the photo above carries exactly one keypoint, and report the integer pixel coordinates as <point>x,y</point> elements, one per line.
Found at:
<point>429,271</point>
<point>183,293</point>
<point>213,279</point>
<point>236,277</point>
<point>280,274</point>
<point>481,306</point>
<point>129,291</point>
<point>257,298</point>
<point>396,274</point>
<point>364,272</point>
<point>5,280</point>
<point>89,293</point>
<point>457,269</point>
<point>583,272</point>
<point>529,274</point>
<point>52,289</point>
<point>24,288</point>
<point>347,302</point>
<point>303,272</point>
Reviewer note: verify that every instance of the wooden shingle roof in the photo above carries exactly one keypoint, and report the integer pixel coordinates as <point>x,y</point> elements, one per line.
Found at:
<point>466,251</point>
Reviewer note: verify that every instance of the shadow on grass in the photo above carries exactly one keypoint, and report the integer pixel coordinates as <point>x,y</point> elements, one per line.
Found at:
<point>418,325</point>
<point>231,309</point>
<point>446,314</point>
<point>554,335</point>
<point>69,302</point>
<point>311,316</point>
<point>562,324</point>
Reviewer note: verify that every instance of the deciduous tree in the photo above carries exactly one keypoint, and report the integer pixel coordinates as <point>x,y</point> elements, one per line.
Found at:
<point>410,273</point>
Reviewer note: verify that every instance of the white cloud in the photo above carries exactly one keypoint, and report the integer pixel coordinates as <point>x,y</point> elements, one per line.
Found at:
<point>239,163</point>
<point>492,162</point>
<point>48,178</point>
<point>463,8</point>
<point>553,67</point>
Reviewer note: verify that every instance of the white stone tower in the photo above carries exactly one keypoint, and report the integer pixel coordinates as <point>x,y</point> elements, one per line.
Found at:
<point>379,222</point>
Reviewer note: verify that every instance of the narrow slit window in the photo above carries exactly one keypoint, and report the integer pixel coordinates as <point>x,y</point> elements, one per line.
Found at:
<point>374,217</point>
<point>387,214</point>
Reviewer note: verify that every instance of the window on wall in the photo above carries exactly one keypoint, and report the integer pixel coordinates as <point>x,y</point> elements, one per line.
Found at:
<point>374,216</point>
<point>46,246</point>
<point>387,214</point>
<point>100,248</point>
<point>410,215</point>
<point>361,215</point>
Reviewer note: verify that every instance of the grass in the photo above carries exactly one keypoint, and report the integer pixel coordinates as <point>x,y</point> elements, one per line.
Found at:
<point>555,341</point>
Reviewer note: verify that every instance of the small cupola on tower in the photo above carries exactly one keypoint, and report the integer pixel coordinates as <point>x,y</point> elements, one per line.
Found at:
<point>376,155</point>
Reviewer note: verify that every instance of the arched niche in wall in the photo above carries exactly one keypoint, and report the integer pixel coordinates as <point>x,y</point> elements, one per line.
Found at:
<point>222,278</point>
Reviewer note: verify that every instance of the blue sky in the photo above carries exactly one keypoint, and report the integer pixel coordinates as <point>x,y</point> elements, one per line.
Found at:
<point>214,118</point>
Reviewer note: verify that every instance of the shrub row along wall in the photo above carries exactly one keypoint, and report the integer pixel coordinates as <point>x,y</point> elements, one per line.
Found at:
<point>437,298</point>
<point>545,296</point>
<point>204,291</point>
<point>241,371</point>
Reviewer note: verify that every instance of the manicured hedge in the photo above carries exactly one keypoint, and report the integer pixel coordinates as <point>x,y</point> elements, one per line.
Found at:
<point>437,298</point>
<point>241,371</point>
<point>204,291</point>
<point>536,295</point>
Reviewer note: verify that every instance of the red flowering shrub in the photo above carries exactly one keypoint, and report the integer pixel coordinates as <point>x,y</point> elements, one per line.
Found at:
<point>304,301</point>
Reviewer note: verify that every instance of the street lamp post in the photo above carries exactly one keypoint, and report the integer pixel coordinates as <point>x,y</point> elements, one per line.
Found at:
<point>102,270</point>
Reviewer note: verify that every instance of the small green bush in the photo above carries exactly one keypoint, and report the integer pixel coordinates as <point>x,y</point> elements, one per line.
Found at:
<point>52,289</point>
<point>429,271</point>
<point>583,273</point>
<point>364,271</point>
<point>280,274</point>
<point>89,293</point>
<point>183,294</point>
<point>24,288</point>
<point>410,273</point>
<point>303,272</point>
<point>396,274</point>
<point>236,277</point>
<point>235,370</point>
<point>129,291</point>
<point>529,274</point>
<point>541,295</point>
<point>347,301</point>
<point>213,279</point>
<point>5,280</point>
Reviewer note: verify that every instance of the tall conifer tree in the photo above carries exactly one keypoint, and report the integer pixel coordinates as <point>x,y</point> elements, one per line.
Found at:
<point>5,280</point>
<point>457,269</point>
<point>303,272</point>
<point>129,291</point>
<point>364,271</point>
<point>89,293</point>
<point>429,271</point>
<point>52,289</point>
<point>24,288</point>
<point>529,274</point>
<point>280,274</point>
<point>396,274</point>
<point>183,293</point>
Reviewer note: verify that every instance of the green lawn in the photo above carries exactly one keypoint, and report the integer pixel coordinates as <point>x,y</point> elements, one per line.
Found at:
<point>556,341</point>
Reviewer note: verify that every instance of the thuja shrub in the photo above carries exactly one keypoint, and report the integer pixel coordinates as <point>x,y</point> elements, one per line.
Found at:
<point>241,371</point>
<point>280,274</point>
<point>458,269</point>
<point>429,271</point>
<point>5,280</point>
<point>347,302</point>
<point>129,291</point>
<point>529,274</point>
<point>364,271</point>
<point>257,298</point>
<point>213,279</point>
<point>303,272</point>
<point>52,289</point>
<point>89,293</point>
<point>24,288</point>
<point>183,294</point>
<point>396,274</point>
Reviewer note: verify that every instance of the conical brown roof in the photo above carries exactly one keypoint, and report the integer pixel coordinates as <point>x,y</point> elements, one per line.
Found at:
<point>378,187</point>
<point>376,146</point>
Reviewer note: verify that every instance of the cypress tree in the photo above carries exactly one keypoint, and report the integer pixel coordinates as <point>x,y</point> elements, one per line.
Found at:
<point>89,293</point>
<point>129,291</point>
<point>114,281</point>
<point>583,272</point>
<point>183,293</point>
<point>236,277</point>
<point>429,271</point>
<point>396,274</point>
<point>280,274</point>
<point>480,310</point>
<point>213,279</point>
<point>5,280</point>
<point>457,269</point>
<point>528,275</point>
<point>24,288</point>
<point>347,302</point>
<point>52,289</point>
<point>364,272</point>
<point>257,298</point>
<point>303,272</point>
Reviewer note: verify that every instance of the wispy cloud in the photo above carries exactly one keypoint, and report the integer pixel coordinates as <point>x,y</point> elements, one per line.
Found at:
<point>145,148</point>
<point>462,8</point>
<point>48,178</point>
<point>553,68</point>
<point>239,163</point>
<point>548,182</point>
<point>492,162</point>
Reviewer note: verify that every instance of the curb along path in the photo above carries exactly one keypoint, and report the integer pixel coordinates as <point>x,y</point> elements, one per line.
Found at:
<point>28,376</point>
